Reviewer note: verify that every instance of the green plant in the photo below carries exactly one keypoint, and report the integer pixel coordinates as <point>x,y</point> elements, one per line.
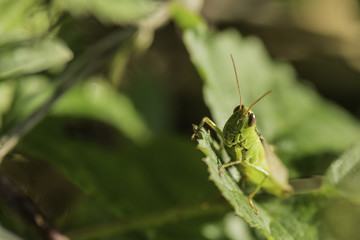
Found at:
<point>93,136</point>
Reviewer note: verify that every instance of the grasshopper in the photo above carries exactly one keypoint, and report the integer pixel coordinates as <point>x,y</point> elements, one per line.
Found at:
<point>249,151</point>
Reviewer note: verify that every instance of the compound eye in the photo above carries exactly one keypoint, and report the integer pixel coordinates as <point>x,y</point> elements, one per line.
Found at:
<point>236,108</point>
<point>252,120</point>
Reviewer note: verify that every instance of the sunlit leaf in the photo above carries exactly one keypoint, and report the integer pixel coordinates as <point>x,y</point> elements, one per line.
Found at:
<point>33,57</point>
<point>343,175</point>
<point>21,20</point>
<point>6,235</point>
<point>122,12</point>
<point>93,99</point>
<point>96,99</point>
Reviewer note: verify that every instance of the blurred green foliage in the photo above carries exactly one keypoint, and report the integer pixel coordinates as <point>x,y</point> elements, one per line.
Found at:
<point>310,135</point>
<point>109,156</point>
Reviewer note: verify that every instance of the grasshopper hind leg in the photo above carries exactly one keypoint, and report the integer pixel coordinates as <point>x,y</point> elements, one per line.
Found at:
<point>257,188</point>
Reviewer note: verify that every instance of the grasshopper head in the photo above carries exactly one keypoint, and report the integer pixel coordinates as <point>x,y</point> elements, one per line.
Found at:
<point>239,126</point>
<point>242,122</point>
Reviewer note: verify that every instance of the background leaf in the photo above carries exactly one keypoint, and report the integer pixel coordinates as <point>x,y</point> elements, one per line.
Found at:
<point>33,57</point>
<point>22,20</point>
<point>125,11</point>
<point>6,235</point>
<point>97,100</point>
<point>130,182</point>
<point>293,117</point>
<point>343,174</point>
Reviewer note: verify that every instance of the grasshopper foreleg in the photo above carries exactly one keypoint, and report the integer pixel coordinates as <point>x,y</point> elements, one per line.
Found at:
<point>229,164</point>
<point>209,122</point>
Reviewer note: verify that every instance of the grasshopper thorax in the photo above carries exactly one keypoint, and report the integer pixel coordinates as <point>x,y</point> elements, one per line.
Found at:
<point>239,126</point>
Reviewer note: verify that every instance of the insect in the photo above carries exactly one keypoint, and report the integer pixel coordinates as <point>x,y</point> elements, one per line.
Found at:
<point>249,151</point>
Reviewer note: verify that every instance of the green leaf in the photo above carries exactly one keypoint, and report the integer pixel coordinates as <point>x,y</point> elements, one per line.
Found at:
<point>343,176</point>
<point>112,11</point>
<point>231,227</point>
<point>185,19</point>
<point>33,57</point>
<point>93,99</point>
<point>6,235</point>
<point>128,181</point>
<point>283,225</point>
<point>22,20</point>
<point>96,99</point>
<point>294,116</point>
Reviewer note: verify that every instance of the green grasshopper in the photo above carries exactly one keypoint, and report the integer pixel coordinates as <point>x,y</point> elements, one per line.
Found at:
<point>248,150</point>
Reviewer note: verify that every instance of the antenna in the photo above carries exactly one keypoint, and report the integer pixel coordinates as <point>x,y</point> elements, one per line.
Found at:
<point>268,92</point>
<point>237,80</point>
